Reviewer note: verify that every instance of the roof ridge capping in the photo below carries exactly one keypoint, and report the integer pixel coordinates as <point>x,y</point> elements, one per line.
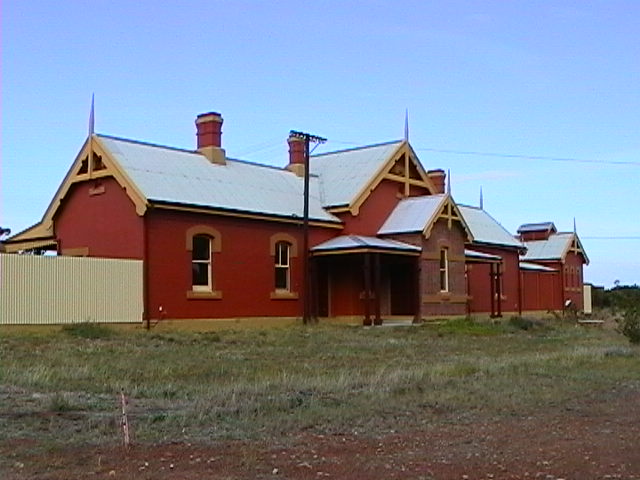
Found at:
<point>362,147</point>
<point>147,144</point>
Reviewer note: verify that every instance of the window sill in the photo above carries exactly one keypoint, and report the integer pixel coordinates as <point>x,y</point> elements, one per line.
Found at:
<point>283,295</point>
<point>204,295</point>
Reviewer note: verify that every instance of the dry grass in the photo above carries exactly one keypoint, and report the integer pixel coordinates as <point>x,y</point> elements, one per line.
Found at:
<point>204,386</point>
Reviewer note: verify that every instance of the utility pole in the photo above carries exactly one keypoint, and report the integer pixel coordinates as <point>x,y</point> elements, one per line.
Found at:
<point>306,271</point>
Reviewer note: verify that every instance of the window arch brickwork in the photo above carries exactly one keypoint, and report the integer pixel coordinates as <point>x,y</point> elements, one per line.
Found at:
<point>283,237</point>
<point>216,238</point>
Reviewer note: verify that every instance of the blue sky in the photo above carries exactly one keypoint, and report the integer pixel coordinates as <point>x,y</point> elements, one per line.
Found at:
<point>533,78</point>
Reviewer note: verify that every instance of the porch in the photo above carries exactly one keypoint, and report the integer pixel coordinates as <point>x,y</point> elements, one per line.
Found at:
<point>366,276</point>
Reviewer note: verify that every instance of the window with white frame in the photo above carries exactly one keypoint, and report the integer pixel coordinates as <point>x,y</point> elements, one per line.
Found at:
<point>444,270</point>
<point>282,266</point>
<point>201,263</point>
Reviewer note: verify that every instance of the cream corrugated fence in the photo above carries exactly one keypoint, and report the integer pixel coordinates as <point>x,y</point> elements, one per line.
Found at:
<point>54,290</point>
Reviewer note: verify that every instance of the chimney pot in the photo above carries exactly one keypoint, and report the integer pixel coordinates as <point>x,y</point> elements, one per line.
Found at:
<point>209,135</point>
<point>296,155</point>
<point>209,128</point>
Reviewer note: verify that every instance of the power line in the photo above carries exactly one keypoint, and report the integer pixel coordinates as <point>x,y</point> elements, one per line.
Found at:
<point>515,155</point>
<point>529,157</point>
<point>611,238</point>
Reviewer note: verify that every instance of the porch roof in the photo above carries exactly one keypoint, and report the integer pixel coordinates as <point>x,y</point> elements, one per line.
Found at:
<point>472,255</point>
<point>536,267</point>
<point>360,244</point>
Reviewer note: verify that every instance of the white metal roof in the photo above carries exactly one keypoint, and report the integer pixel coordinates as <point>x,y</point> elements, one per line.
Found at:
<point>537,227</point>
<point>349,242</point>
<point>345,173</point>
<point>485,256</point>
<point>412,214</point>
<point>486,229</point>
<point>165,174</point>
<point>533,266</point>
<point>553,248</point>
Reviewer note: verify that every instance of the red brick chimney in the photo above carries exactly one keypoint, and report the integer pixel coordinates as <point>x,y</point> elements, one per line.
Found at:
<point>209,133</point>
<point>437,177</point>
<point>296,155</point>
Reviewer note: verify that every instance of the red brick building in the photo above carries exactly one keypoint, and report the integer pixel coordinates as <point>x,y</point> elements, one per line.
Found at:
<point>223,238</point>
<point>552,267</point>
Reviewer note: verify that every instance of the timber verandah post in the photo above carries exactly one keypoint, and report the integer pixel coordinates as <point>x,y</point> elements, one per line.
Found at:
<point>376,289</point>
<point>367,290</point>
<point>417,317</point>
<point>499,289</point>
<point>496,290</point>
<point>368,293</point>
<point>492,287</point>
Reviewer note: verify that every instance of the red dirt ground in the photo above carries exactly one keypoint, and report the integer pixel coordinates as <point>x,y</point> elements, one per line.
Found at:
<point>590,440</point>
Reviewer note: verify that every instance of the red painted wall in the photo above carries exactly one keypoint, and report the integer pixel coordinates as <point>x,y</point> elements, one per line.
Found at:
<point>106,223</point>
<point>346,283</point>
<point>479,282</point>
<point>541,291</point>
<point>243,270</point>
<point>565,285</point>
<point>573,289</point>
<point>374,211</point>
<point>376,208</point>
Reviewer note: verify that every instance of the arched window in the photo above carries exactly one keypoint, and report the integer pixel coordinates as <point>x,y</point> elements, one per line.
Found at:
<point>201,260</point>
<point>283,248</point>
<point>282,266</point>
<point>203,242</point>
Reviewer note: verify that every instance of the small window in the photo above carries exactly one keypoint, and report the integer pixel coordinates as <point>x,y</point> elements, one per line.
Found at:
<point>282,266</point>
<point>201,263</point>
<point>444,270</point>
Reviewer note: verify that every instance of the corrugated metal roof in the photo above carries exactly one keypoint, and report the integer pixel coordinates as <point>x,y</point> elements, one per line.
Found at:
<point>551,249</point>
<point>412,214</point>
<point>345,173</point>
<point>533,266</point>
<point>537,227</point>
<point>349,242</point>
<point>482,255</point>
<point>165,174</point>
<point>486,229</point>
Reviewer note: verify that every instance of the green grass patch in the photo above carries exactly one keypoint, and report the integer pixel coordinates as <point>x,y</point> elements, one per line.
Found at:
<point>88,330</point>
<point>467,326</point>
<point>185,386</point>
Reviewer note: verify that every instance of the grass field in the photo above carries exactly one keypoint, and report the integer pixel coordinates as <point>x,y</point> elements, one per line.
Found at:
<point>60,389</point>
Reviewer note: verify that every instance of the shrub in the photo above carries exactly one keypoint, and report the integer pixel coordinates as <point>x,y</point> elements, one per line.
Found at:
<point>87,330</point>
<point>629,324</point>
<point>521,323</point>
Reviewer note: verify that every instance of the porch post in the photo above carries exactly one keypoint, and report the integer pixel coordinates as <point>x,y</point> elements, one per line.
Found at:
<point>367,289</point>
<point>376,286</point>
<point>417,316</point>
<point>492,286</point>
<point>499,290</point>
<point>313,265</point>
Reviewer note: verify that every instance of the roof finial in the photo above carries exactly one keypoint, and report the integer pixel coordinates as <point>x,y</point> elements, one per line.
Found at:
<point>481,199</point>
<point>406,124</point>
<point>448,182</point>
<point>92,121</point>
<point>575,231</point>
